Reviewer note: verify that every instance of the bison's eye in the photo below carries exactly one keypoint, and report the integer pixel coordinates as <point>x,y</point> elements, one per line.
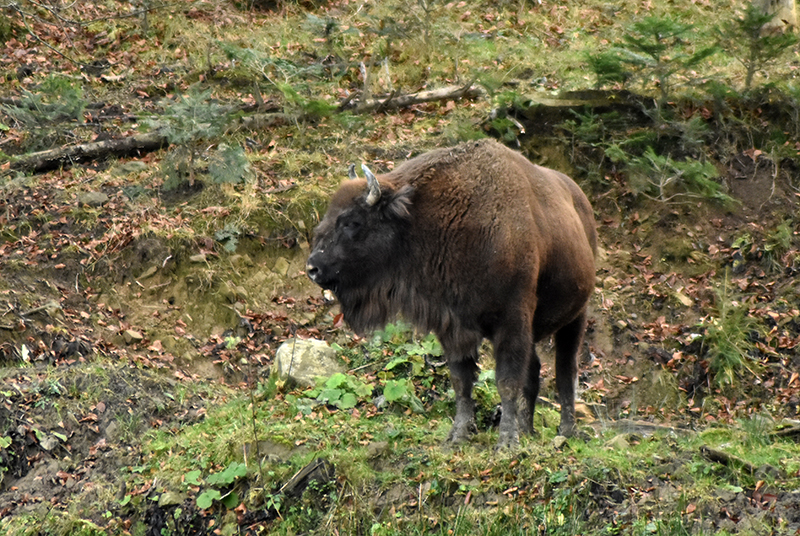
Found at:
<point>351,228</point>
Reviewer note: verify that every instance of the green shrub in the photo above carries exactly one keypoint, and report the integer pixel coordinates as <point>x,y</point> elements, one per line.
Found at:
<point>726,340</point>
<point>663,179</point>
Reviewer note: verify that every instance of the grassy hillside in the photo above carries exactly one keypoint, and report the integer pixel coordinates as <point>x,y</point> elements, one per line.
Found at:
<point>152,262</point>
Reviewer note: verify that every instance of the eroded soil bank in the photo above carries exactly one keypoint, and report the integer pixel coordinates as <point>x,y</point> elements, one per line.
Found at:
<point>137,327</point>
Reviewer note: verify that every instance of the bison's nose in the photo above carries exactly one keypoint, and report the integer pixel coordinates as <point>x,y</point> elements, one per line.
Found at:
<point>312,271</point>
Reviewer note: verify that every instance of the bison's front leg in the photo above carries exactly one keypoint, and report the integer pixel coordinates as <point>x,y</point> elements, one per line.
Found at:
<point>463,373</point>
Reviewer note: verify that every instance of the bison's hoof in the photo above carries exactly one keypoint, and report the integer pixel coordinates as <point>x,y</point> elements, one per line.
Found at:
<point>507,441</point>
<point>461,434</point>
<point>566,430</point>
<point>527,429</point>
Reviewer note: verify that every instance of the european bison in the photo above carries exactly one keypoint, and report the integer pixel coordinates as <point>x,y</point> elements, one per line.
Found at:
<point>470,242</point>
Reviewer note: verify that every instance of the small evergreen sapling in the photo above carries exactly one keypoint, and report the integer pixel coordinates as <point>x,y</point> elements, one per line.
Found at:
<point>655,48</point>
<point>744,38</point>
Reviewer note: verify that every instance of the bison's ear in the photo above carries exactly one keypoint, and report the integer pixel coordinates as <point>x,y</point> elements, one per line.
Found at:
<point>399,202</point>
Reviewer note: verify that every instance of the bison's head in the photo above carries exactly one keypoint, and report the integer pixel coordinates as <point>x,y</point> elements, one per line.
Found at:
<point>360,235</point>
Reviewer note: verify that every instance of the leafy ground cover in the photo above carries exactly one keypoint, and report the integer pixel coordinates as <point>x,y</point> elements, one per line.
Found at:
<point>146,286</point>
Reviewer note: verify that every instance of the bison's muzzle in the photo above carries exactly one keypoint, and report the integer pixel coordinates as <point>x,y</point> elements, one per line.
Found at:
<point>318,274</point>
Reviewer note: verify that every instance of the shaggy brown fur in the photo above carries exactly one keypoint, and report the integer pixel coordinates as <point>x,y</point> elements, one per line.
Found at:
<point>470,242</point>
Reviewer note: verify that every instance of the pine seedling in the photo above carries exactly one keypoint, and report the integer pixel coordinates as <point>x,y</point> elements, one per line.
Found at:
<point>654,48</point>
<point>743,38</point>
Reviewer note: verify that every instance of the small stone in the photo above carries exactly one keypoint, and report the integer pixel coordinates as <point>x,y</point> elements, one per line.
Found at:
<point>768,472</point>
<point>621,324</point>
<point>92,199</point>
<point>610,282</point>
<point>377,448</point>
<point>559,441</point>
<point>241,261</point>
<point>623,256</point>
<point>111,430</point>
<point>200,257</point>
<point>584,413</point>
<point>171,498</point>
<point>258,279</point>
<point>685,300</point>
<point>233,293</point>
<point>281,266</point>
<point>49,443</point>
<point>126,168</point>
<point>132,336</point>
<point>619,442</point>
<point>149,272</point>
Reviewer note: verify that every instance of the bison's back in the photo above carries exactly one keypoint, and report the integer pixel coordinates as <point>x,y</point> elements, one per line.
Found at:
<point>491,230</point>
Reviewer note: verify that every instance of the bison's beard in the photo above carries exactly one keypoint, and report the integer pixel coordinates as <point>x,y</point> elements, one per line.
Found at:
<point>370,307</point>
<point>366,308</point>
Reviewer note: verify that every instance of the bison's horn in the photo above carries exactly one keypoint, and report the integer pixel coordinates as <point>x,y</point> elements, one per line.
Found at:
<point>374,188</point>
<point>351,171</point>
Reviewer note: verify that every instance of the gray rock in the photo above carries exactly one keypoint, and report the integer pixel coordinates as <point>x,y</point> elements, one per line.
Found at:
<point>92,199</point>
<point>171,498</point>
<point>111,431</point>
<point>126,168</point>
<point>305,360</point>
<point>233,293</point>
<point>281,266</point>
<point>559,441</point>
<point>619,442</point>
<point>48,442</point>
<point>241,261</point>
<point>376,449</point>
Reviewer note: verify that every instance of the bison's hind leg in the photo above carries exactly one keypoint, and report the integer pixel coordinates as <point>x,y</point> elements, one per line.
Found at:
<point>568,340</point>
<point>512,354</point>
<point>463,373</point>
<point>529,393</point>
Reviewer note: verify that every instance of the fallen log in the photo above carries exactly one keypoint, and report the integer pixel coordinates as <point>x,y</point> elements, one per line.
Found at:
<point>645,428</point>
<point>726,459</point>
<point>85,152</point>
<point>792,432</point>
<point>734,462</point>
<point>394,101</point>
